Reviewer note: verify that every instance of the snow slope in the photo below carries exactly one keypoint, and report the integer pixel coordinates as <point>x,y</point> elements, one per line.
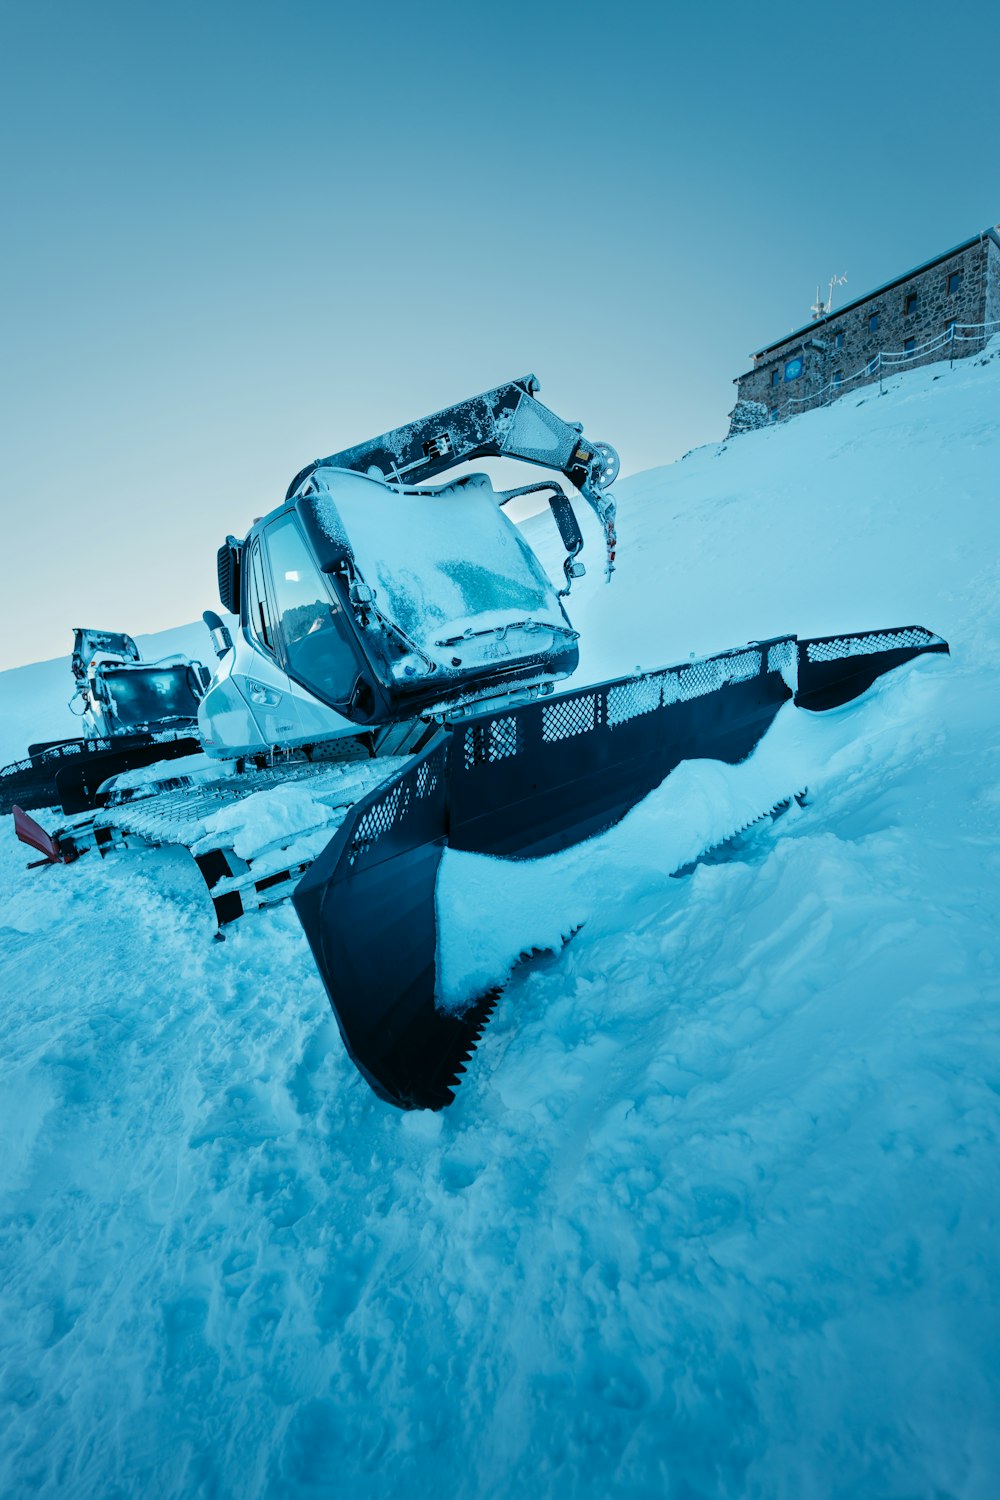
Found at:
<point>715,1212</point>
<point>871,512</point>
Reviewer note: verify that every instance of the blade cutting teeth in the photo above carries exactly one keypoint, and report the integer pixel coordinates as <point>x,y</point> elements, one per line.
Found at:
<point>458,1035</point>
<point>453,1038</point>
<point>722,849</point>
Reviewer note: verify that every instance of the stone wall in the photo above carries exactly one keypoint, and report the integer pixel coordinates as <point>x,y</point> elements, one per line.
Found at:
<point>801,371</point>
<point>993,286</point>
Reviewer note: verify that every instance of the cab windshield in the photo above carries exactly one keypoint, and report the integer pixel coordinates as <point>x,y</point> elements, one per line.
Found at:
<point>442,564</point>
<point>149,696</point>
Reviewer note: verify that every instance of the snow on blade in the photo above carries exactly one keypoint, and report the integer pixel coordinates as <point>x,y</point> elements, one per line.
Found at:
<point>537,903</point>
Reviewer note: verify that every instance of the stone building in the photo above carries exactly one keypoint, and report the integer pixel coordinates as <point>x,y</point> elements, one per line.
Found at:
<point>944,309</point>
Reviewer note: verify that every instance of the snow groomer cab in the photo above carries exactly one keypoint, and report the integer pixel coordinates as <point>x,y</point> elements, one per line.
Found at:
<point>366,600</point>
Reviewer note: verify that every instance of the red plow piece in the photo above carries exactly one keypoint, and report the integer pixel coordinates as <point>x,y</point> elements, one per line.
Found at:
<point>33,834</point>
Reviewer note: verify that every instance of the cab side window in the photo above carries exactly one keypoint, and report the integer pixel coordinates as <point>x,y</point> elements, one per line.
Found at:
<point>316,637</point>
<point>258,614</point>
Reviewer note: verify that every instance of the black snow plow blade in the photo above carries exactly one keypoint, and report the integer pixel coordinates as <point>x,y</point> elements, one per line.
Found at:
<point>78,785</point>
<point>521,784</point>
<point>69,772</point>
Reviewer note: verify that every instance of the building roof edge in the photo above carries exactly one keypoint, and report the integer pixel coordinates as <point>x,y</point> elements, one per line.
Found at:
<point>886,286</point>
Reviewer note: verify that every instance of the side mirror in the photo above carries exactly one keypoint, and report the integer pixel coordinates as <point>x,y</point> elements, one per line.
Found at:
<point>572,538</point>
<point>222,641</point>
<point>569,526</point>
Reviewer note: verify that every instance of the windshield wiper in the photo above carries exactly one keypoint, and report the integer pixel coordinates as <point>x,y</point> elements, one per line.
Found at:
<point>501,631</point>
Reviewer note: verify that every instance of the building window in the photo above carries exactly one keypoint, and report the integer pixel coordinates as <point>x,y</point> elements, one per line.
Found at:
<point>838,341</point>
<point>775,376</point>
<point>909,345</point>
<point>837,377</point>
<point>873,323</point>
<point>872,365</point>
<point>911,305</point>
<point>954,282</point>
<point>793,369</point>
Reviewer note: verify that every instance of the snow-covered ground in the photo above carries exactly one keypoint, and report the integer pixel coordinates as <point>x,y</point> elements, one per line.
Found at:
<point>715,1213</point>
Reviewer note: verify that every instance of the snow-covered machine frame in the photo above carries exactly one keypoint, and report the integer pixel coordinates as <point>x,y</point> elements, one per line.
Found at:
<point>396,657</point>
<point>132,712</point>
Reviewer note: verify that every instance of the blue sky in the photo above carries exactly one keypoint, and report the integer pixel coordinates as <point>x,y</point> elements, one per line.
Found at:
<point>241,235</point>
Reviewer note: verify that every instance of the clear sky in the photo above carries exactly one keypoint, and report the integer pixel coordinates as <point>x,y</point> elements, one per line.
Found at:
<point>240,235</point>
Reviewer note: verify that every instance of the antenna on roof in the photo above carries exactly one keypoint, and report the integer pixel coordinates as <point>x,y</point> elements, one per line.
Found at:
<point>821,309</point>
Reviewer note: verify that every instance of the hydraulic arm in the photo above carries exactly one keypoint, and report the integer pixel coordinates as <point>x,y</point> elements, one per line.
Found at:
<point>88,643</point>
<point>508,422</point>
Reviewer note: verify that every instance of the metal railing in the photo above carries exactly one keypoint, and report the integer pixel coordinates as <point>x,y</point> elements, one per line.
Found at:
<point>888,362</point>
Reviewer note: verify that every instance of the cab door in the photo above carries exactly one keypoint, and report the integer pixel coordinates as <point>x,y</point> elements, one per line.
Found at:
<point>259,675</point>
<point>313,638</point>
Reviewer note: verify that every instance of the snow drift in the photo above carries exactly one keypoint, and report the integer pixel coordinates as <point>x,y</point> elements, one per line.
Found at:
<point>714,1214</point>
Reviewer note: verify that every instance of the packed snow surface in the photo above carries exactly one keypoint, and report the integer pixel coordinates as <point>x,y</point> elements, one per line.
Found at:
<point>714,1215</point>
